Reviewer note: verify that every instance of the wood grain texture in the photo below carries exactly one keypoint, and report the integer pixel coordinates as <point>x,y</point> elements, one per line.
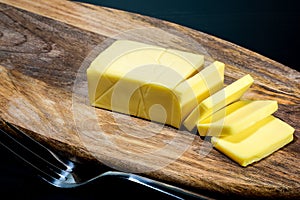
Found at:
<point>44,49</point>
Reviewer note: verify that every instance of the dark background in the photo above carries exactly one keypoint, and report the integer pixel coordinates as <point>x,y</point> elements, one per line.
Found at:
<point>270,28</point>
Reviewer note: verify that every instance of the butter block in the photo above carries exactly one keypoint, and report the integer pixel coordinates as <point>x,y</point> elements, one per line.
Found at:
<point>255,143</point>
<point>151,82</point>
<point>125,57</point>
<point>215,102</point>
<point>236,117</point>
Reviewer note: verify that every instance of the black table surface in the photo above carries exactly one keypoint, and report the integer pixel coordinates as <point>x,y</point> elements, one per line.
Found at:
<point>270,28</point>
<point>18,180</point>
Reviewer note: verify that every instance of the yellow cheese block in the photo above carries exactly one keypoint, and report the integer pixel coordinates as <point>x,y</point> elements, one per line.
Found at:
<point>257,142</point>
<point>215,102</point>
<point>236,117</point>
<point>150,82</point>
<point>126,58</point>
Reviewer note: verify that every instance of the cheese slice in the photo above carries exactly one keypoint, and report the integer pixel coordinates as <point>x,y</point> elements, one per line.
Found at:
<point>197,88</point>
<point>150,82</point>
<point>236,117</point>
<point>215,102</point>
<point>255,143</point>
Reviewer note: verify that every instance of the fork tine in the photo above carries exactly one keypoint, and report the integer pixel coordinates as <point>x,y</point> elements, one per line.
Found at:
<point>56,170</point>
<point>33,154</point>
<point>37,148</point>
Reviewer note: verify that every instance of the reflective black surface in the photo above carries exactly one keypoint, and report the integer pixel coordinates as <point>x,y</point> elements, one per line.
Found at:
<point>17,180</point>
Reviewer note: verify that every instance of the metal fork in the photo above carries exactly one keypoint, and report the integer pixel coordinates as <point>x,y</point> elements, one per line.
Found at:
<point>64,173</point>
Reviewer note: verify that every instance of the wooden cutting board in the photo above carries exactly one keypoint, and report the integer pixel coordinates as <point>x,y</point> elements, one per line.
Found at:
<point>45,47</point>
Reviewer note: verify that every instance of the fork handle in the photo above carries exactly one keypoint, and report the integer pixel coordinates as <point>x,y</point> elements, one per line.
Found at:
<point>170,190</point>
